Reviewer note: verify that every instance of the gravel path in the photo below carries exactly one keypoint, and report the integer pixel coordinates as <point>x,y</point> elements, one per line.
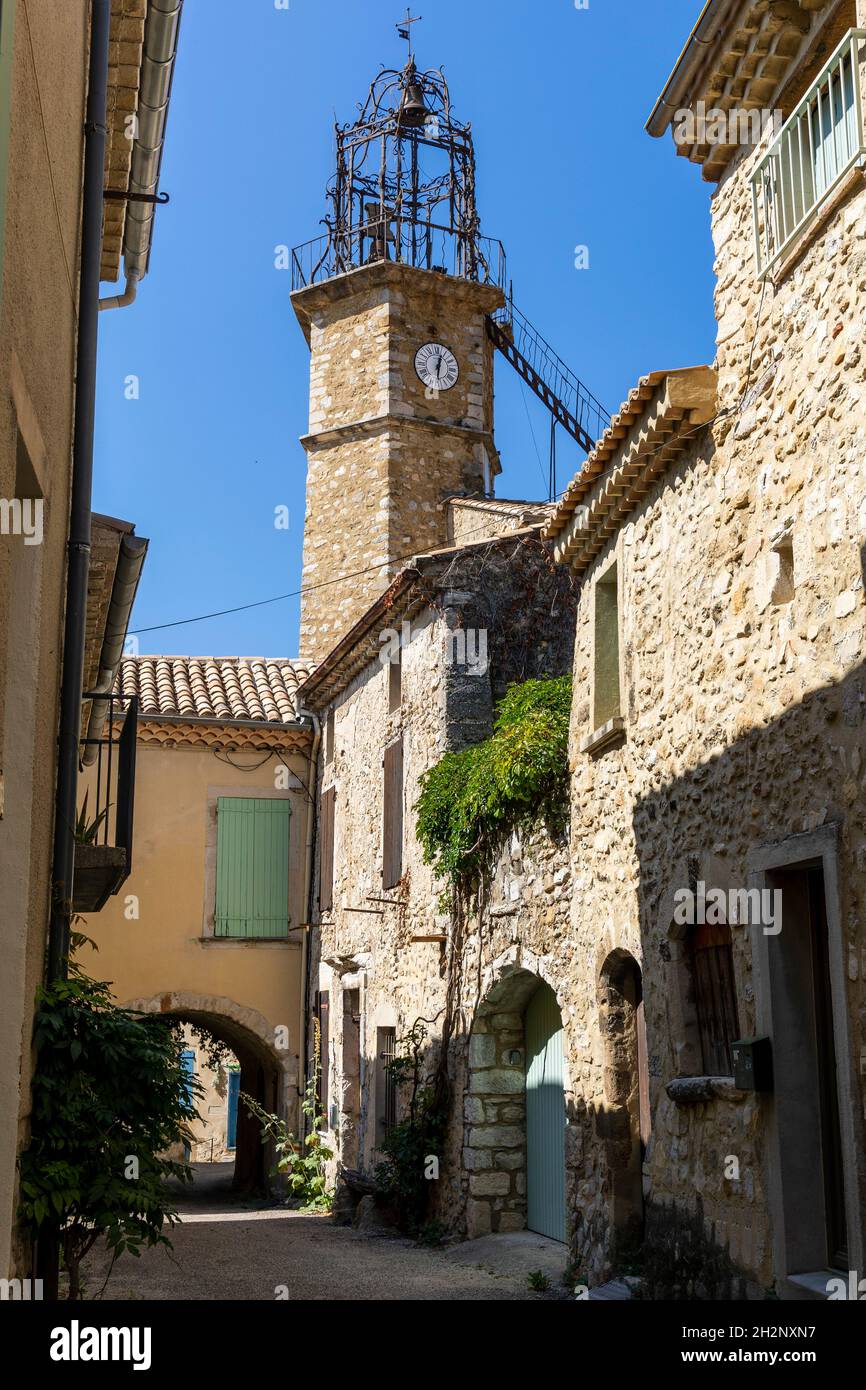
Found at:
<point>227,1248</point>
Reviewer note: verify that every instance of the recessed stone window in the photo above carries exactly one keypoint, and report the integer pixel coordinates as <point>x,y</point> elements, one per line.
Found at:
<point>606,702</point>
<point>395,685</point>
<point>703,999</point>
<point>782,571</point>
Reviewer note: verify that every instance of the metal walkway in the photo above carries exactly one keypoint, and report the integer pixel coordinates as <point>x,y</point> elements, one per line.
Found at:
<point>567,399</point>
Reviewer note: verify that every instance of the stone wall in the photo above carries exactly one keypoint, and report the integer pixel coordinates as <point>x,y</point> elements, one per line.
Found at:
<point>741,634</point>
<point>384,452</point>
<point>484,969</point>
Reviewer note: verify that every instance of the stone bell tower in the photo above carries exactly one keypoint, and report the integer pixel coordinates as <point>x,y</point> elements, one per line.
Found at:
<point>393,301</point>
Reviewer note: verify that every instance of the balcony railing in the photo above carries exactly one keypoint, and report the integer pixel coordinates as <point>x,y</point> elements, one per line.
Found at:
<point>426,245</point>
<point>103,835</point>
<point>817,146</point>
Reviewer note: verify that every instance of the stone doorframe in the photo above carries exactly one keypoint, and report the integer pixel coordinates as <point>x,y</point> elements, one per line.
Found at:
<point>494,1148</point>
<point>819,846</point>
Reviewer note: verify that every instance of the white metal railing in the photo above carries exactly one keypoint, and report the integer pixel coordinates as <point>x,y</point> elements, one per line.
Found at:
<point>816,147</point>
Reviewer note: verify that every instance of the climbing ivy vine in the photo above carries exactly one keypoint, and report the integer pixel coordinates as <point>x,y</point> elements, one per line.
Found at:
<point>470,800</point>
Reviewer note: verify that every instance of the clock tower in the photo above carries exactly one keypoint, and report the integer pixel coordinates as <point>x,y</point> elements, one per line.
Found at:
<point>394,300</point>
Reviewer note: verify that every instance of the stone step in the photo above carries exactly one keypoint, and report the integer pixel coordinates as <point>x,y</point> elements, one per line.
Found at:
<point>616,1291</point>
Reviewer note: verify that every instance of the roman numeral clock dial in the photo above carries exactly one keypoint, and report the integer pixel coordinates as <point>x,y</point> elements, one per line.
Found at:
<point>436,366</point>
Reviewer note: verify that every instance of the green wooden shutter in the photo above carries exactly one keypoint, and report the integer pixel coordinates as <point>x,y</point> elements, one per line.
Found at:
<point>252,880</point>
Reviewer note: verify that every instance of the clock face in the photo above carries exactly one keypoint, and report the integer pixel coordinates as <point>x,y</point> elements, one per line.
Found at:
<point>437,367</point>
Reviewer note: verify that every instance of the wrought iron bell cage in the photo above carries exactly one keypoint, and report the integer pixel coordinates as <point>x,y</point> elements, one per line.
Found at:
<point>404,187</point>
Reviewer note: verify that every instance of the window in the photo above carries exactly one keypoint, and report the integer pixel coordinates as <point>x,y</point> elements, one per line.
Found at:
<point>392,815</point>
<point>329,739</point>
<point>386,1089</point>
<point>782,572</point>
<point>814,150</point>
<point>326,851</point>
<point>395,685</point>
<point>252,877</point>
<point>712,963</point>
<point>187,1066</point>
<point>606,694</point>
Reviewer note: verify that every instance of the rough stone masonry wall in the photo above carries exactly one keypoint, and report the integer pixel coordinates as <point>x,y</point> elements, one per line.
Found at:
<point>744,709</point>
<point>383,454</point>
<point>525,917</point>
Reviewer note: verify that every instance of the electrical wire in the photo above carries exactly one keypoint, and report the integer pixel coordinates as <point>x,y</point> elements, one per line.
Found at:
<point>370,569</point>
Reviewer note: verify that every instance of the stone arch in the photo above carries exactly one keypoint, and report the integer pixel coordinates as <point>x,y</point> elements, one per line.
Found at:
<point>268,1073</point>
<point>495,1142</point>
<point>623,1121</point>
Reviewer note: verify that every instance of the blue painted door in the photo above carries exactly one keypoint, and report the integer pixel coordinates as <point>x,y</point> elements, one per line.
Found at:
<point>545,1116</point>
<point>232,1116</point>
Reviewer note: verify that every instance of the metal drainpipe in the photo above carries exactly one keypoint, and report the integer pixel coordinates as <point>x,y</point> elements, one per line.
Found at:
<point>120,301</point>
<point>78,544</point>
<point>157,72</point>
<point>308,904</point>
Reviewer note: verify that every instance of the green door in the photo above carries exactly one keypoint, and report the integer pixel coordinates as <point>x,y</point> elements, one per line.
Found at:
<point>545,1116</point>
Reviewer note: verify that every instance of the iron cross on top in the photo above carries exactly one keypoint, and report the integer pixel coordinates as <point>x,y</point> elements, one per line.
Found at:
<point>404,29</point>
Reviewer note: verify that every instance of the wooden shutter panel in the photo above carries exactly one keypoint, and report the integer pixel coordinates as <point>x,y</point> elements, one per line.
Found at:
<point>252,880</point>
<point>326,851</point>
<point>715,997</point>
<point>323,1015</point>
<point>392,815</point>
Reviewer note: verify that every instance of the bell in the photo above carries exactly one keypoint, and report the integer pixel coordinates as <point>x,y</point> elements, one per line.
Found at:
<point>413,112</point>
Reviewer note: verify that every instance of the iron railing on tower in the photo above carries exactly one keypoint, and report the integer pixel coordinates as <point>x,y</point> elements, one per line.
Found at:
<point>424,244</point>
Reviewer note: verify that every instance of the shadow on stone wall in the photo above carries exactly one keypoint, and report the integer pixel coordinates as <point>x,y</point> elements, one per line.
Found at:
<point>791,775</point>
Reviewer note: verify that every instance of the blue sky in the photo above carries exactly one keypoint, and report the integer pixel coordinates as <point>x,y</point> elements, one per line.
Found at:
<point>557,98</point>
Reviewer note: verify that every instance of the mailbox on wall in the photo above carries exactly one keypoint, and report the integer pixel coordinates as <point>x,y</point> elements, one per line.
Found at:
<point>753,1064</point>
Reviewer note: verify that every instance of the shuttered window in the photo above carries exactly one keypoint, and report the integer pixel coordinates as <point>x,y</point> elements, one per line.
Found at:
<point>715,997</point>
<point>326,851</point>
<point>252,879</point>
<point>323,1016</point>
<point>392,816</point>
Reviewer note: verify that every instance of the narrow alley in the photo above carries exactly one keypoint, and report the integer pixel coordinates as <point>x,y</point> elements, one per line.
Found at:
<point>229,1247</point>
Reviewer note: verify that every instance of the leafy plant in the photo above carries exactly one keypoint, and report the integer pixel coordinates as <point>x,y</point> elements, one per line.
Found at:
<point>85,831</point>
<point>303,1164</point>
<point>109,1097</point>
<point>433,1233</point>
<point>471,799</point>
<point>538,1281</point>
<point>401,1175</point>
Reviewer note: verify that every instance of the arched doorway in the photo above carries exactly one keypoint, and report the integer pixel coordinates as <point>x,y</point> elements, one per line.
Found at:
<point>263,1072</point>
<point>624,1124</point>
<point>514,1153</point>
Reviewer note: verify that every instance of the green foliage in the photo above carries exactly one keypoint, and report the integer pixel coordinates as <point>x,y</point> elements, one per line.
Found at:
<point>86,831</point>
<point>538,1281</point>
<point>470,800</point>
<point>302,1164</point>
<point>406,1149</point>
<point>433,1233</point>
<point>108,1089</point>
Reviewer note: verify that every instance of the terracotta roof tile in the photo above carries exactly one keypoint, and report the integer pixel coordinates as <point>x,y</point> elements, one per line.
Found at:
<point>204,687</point>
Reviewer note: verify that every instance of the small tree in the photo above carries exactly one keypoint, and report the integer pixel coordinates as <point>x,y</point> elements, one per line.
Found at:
<point>109,1097</point>
<point>302,1164</point>
<point>401,1175</point>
